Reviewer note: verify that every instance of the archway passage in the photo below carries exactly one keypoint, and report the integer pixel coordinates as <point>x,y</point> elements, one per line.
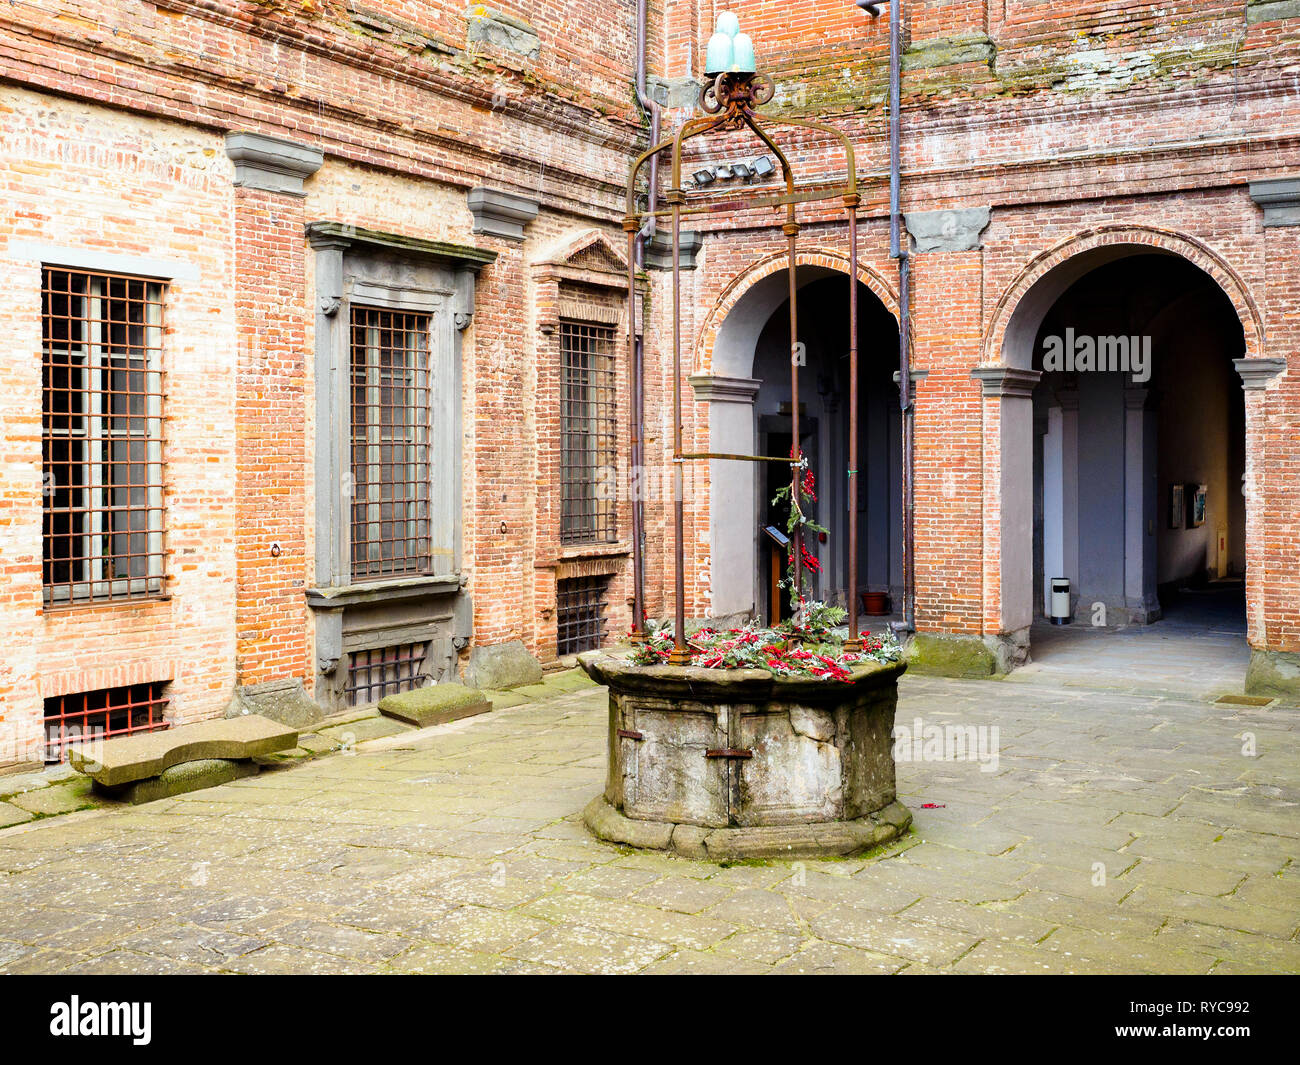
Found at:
<point>824,428</point>
<point>1139,465</point>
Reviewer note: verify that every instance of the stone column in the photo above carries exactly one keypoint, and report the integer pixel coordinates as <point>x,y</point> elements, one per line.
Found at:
<point>1008,395</point>
<point>734,506</point>
<point>1140,495</point>
<point>271,645</point>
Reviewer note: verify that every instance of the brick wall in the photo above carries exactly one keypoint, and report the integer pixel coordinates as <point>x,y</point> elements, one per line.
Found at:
<point>1067,119</point>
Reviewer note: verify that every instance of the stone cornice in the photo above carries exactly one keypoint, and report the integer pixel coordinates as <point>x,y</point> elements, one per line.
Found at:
<point>500,214</point>
<point>335,234</point>
<point>271,164</point>
<point>1280,200</point>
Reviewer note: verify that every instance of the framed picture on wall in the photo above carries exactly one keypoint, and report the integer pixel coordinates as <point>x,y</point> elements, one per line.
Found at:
<point>1196,511</point>
<point>1177,506</point>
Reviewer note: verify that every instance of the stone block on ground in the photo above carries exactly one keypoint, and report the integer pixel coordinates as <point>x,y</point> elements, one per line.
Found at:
<point>435,704</point>
<point>284,701</point>
<point>949,656</point>
<point>111,763</point>
<point>501,665</point>
<point>178,779</point>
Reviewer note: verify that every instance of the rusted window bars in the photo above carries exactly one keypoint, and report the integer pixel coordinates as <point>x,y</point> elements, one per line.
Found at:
<point>729,101</point>
<point>101,436</point>
<point>101,714</point>
<point>391,413</point>
<point>381,671</point>
<point>580,614</point>
<point>588,434</point>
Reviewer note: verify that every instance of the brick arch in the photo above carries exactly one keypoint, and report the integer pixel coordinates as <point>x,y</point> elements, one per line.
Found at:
<point>1093,245</point>
<point>741,285</point>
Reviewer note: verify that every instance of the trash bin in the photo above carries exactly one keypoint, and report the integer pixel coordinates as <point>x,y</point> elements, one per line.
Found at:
<point>1060,601</point>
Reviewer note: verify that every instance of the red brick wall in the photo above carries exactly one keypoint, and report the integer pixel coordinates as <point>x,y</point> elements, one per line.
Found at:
<point>270,441</point>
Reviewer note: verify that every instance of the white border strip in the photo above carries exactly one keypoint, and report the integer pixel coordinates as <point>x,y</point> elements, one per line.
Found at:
<point>109,262</point>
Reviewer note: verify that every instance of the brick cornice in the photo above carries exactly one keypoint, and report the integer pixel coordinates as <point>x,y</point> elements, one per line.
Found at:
<point>163,90</point>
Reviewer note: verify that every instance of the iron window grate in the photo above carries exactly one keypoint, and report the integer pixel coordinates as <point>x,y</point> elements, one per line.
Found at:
<point>391,419</point>
<point>588,459</point>
<point>580,614</point>
<point>101,436</point>
<point>102,714</point>
<point>381,671</point>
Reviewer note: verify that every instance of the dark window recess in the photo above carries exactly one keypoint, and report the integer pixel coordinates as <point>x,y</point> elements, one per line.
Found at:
<point>102,714</point>
<point>391,414</point>
<point>588,459</point>
<point>580,614</point>
<point>101,436</point>
<point>384,671</point>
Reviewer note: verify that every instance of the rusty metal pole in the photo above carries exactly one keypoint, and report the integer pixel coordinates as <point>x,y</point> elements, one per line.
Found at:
<point>681,655</point>
<point>635,471</point>
<point>791,229</point>
<point>853,643</point>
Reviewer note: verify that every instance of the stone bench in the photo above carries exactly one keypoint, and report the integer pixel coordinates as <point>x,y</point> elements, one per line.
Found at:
<point>155,765</point>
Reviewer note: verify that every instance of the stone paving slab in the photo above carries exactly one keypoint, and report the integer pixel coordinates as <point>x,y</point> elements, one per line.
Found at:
<point>1119,832</point>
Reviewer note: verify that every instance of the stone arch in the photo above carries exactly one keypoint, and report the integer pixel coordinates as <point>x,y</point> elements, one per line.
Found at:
<point>727,340</point>
<point>1022,306</point>
<point>1006,369</point>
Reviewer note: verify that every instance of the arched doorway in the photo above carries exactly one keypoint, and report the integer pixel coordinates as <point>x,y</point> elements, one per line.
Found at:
<point>1137,491</point>
<point>750,412</point>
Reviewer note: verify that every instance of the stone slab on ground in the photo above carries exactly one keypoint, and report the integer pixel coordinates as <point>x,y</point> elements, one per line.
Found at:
<point>64,798</point>
<point>129,758</point>
<point>181,779</point>
<point>434,704</point>
<point>501,665</point>
<point>12,815</point>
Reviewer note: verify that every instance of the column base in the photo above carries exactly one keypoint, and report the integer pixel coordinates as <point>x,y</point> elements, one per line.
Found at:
<point>966,655</point>
<point>1275,674</point>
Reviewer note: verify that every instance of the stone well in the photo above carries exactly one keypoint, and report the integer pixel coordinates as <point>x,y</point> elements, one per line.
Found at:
<point>741,763</point>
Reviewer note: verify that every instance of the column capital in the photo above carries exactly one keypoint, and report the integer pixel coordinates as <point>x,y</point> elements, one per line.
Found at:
<point>271,164</point>
<point>1257,373</point>
<point>724,389</point>
<point>1006,380</point>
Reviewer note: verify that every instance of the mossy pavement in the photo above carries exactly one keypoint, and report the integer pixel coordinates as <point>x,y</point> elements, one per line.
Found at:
<point>1118,832</point>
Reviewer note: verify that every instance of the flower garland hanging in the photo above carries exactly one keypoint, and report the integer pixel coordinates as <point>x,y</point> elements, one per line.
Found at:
<point>798,523</point>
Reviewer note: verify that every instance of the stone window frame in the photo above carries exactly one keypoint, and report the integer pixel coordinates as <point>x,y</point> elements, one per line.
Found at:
<point>388,272</point>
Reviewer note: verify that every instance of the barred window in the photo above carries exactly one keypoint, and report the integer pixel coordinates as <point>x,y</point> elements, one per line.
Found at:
<point>101,436</point>
<point>580,614</point>
<point>390,444</point>
<point>384,671</point>
<point>587,434</point>
<point>101,714</point>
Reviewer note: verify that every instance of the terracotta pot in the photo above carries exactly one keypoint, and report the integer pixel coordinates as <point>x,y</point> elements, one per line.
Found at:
<point>875,604</point>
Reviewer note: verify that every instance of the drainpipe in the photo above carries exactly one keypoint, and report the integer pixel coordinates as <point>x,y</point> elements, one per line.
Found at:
<point>637,399</point>
<point>898,249</point>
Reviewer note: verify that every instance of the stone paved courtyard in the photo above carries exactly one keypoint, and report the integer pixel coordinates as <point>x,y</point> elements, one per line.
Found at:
<point>459,849</point>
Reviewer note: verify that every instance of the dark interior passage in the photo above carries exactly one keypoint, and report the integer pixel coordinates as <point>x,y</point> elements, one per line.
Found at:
<point>824,429</point>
